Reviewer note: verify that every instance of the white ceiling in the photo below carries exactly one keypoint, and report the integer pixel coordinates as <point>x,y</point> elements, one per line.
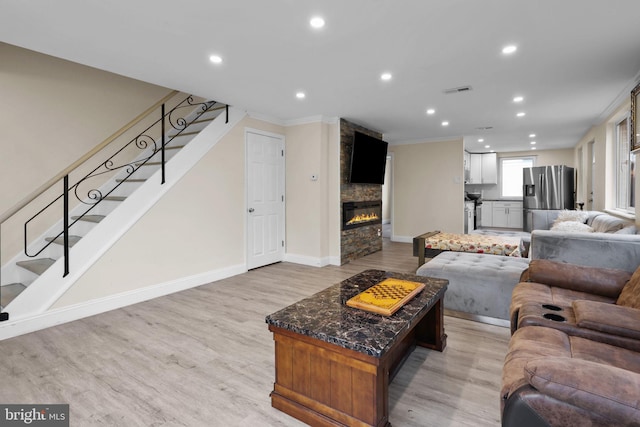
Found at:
<point>575,60</point>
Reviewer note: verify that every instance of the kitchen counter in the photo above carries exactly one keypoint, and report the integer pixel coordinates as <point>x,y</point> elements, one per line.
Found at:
<point>326,317</point>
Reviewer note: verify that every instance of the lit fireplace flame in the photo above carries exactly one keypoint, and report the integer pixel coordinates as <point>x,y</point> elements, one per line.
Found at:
<point>363,218</point>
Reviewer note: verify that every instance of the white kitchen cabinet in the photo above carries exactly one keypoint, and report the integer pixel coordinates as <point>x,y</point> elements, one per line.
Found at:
<point>489,168</point>
<point>483,168</point>
<point>507,214</point>
<point>475,168</point>
<point>486,214</point>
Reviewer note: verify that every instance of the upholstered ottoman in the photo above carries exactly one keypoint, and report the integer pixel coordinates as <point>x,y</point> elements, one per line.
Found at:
<point>479,284</point>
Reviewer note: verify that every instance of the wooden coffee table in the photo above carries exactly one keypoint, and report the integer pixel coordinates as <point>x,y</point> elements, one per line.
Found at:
<point>334,363</point>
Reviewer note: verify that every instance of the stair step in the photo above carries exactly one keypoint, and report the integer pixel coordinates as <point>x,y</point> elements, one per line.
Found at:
<point>208,119</point>
<point>185,134</point>
<point>177,147</point>
<point>60,240</point>
<point>37,266</point>
<point>90,218</point>
<point>115,198</point>
<point>149,164</point>
<point>9,292</point>
<point>131,180</point>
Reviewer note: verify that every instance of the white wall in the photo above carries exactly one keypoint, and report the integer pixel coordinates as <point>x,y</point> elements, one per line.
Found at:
<point>313,223</point>
<point>52,112</point>
<point>604,175</point>
<point>49,102</point>
<point>427,188</point>
<point>199,226</point>
<point>545,157</point>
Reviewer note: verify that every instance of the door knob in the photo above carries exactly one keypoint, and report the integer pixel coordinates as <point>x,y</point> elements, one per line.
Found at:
<point>251,210</point>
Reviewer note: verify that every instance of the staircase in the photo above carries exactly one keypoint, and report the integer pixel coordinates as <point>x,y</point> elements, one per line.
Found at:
<point>24,270</point>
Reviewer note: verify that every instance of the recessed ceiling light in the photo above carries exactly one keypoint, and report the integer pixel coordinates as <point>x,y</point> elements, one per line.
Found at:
<point>316,22</point>
<point>492,151</point>
<point>300,95</point>
<point>445,123</point>
<point>518,99</point>
<point>215,59</point>
<point>533,143</point>
<point>431,111</point>
<point>481,140</point>
<point>521,114</point>
<point>532,135</point>
<point>385,76</point>
<point>533,148</point>
<point>487,146</point>
<point>507,50</point>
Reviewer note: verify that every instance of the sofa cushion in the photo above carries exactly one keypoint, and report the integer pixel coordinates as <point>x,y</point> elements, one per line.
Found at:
<point>602,281</point>
<point>607,390</point>
<point>630,294</point>
<point>629,229</point>
<point>607,318</point>
<point>608,224</point>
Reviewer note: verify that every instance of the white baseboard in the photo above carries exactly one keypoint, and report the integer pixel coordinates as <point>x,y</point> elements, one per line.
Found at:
<point>12,328</point>
<point>304,260</point>
<point>312,261</point>
<point>402,239</point>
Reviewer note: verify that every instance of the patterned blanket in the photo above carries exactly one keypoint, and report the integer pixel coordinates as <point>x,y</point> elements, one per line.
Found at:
<point>496,245</point>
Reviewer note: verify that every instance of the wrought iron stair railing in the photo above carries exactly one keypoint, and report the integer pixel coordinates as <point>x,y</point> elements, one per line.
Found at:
<point>79,201</point>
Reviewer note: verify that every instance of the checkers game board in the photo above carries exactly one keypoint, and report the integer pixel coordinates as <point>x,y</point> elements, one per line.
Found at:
<point>386,297</point>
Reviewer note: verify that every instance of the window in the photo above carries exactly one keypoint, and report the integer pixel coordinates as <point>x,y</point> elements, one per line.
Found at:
<point>511,175</point>
<point>625,168</point>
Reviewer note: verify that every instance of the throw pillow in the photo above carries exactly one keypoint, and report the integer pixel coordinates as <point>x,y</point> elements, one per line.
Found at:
<point>609,224</point>
<point>630,295</point>
<point>572,227</point>
<point>568,215</point>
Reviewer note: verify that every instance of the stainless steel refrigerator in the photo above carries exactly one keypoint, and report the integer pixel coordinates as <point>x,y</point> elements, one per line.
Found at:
<point>545,188</point>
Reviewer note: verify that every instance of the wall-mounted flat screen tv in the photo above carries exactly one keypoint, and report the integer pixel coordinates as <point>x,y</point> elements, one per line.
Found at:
<point>368,160</point>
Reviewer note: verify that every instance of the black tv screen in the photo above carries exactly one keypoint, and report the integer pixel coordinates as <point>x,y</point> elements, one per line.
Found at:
<point>368,160</point>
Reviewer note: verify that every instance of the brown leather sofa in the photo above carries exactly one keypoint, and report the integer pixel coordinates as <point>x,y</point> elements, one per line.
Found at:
<point>595,303</point>
<point>554,379</point>
<point>574,356</point>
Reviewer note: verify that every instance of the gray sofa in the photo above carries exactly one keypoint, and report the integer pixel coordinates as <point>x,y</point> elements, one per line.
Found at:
<point>613,243</point>
<point>480,285</point>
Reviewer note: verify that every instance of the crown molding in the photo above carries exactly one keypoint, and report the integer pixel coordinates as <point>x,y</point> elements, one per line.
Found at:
<point>293,122</point>
<point>623,96</point>
<point>312,119</point>
<point>427,140</point>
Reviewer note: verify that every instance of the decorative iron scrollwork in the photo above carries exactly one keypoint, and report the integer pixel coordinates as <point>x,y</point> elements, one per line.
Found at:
<point>99,183</point>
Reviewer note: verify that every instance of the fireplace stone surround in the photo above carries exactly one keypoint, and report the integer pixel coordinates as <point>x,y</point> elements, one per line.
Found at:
<point>366,239</point>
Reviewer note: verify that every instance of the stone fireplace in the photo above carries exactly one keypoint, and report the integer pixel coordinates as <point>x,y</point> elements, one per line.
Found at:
<point>364,238</point>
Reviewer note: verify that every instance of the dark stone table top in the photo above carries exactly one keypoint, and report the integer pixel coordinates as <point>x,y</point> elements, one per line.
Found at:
<point>325,315</point>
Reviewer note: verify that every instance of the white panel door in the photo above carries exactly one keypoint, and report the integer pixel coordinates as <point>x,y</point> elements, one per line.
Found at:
<point>265,199</point>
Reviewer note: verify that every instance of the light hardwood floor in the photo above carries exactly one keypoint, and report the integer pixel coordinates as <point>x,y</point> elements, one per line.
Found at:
<point>204,357</point>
